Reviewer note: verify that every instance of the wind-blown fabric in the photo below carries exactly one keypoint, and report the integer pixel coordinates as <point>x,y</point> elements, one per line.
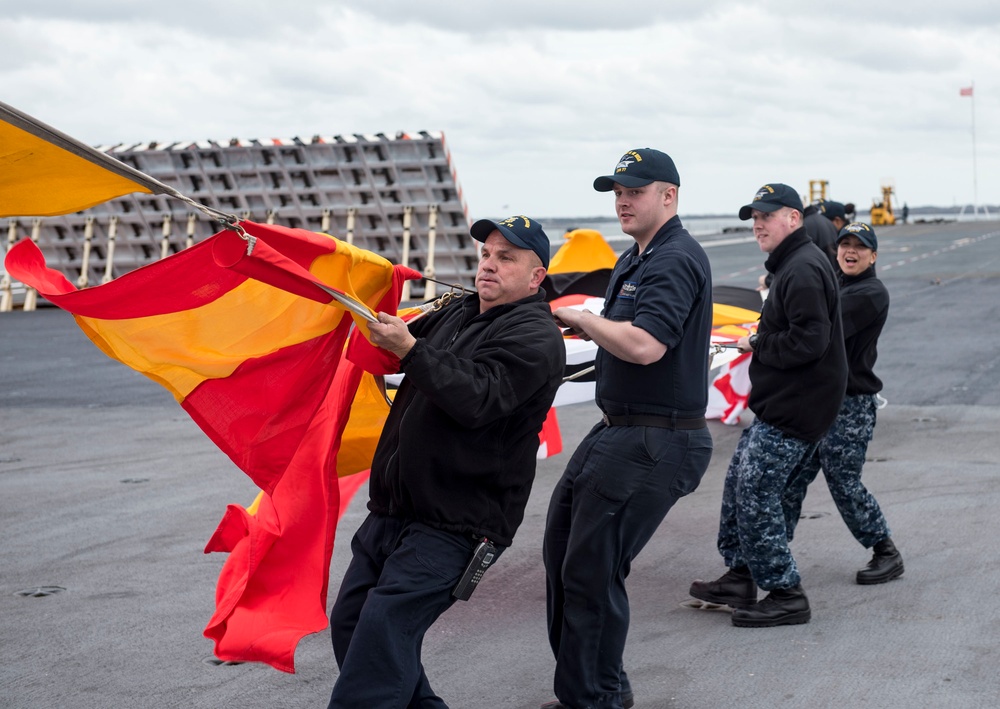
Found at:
<point>262,371</point>
<point>734,315</point>
<point>729,390</point>
<point>44,172</point>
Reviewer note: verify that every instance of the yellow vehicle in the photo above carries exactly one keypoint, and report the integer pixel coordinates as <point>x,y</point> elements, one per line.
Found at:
<point>882,214</point>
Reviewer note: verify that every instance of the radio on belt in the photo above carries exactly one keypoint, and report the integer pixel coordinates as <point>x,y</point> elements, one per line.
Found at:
<point>484,555</point>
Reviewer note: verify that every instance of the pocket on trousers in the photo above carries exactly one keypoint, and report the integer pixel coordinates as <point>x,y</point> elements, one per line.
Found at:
<point>690,463</point>
<point>443,554</point>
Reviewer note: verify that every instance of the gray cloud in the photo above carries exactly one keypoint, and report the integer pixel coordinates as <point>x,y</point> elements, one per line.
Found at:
<point>485,18</point>
<point>535,101</point>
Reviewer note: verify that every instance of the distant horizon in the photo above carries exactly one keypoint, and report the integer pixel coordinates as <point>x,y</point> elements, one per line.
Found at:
<point>925,209</point>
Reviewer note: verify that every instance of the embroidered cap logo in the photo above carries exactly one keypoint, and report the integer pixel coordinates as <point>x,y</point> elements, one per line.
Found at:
<point>510,222</point>
<point>627,159</point>
<point>763,192</point>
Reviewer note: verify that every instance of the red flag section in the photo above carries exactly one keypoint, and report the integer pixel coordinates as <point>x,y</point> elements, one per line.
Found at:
<point>262,372</point>
<point>273,586</point>
<point>550,437</point>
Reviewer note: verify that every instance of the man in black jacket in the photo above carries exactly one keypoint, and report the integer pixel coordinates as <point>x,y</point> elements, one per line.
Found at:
<point>453,467</point>
<point>836,212</point>
<point>864,305</point>
<point>820,228</point>
<point>798,374</point>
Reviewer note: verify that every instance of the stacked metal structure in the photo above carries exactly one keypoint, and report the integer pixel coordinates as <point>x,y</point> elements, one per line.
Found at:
<point>397,196</point>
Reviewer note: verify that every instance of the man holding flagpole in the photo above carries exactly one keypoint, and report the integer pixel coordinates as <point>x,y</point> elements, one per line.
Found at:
<point>453,468</point>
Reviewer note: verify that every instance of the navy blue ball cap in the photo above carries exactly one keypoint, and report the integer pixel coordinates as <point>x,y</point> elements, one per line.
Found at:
<point>638,168</point>
<point>521,231</point>
<point>861,230</point>
<point>831,210</point>
<point>771,198</point>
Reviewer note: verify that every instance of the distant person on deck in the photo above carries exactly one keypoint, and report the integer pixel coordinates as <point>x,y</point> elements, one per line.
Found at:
<point>652,445</point>
<point>798,374</point>
<point>820,228</point>
<point>837,214</point>
<point>864,305</point>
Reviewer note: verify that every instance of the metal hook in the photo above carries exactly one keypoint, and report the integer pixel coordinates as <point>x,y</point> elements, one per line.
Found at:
<point>456,293</point>
<point>234,225</point>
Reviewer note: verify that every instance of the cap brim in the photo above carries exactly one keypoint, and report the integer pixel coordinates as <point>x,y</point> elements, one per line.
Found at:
<point>863,239</point>
<point>606,183</point>
<point>746,211</point>
<point>482,229</point>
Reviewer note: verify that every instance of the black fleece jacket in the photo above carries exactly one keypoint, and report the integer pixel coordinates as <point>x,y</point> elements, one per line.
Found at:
<point>798,372</point>
<point>458,449</point>
<point>864,306</point>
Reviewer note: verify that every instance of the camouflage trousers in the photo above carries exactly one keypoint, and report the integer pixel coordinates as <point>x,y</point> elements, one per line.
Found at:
<point>841,454</point>
<point>752,524</point>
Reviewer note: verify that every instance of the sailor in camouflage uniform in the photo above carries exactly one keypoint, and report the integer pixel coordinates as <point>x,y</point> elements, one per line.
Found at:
<point>798,375</point>
<point>864,304</point>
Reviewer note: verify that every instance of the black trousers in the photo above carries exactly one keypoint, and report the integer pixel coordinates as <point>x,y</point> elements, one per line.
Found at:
<point>617,488</point>
<point>397,584</point>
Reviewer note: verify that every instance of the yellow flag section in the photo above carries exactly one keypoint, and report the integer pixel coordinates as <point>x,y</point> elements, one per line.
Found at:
<point>44,172</point>
<point>726,315</point>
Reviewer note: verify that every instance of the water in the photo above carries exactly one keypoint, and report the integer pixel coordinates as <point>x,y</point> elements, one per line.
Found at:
<point>611,231</point>
<point>712,225</point>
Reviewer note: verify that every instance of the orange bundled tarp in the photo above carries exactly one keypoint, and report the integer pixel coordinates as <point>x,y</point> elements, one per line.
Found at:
<point>259,363</point>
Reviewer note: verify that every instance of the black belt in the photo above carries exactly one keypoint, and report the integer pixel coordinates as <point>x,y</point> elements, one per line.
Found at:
<point>655,421</point>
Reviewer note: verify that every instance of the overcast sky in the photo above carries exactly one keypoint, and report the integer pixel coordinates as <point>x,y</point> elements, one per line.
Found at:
<point>538,97</point>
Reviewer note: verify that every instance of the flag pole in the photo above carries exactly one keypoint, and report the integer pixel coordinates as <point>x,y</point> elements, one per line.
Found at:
<point>975,190</point>
<point>971,93</point>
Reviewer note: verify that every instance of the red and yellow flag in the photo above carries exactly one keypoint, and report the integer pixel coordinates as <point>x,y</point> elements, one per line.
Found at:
<point>258,362</point>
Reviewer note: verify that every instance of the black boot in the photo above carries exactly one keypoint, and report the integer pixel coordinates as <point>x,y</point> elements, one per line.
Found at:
<point>734,588</point>
<point>886,564</point>
<point>782,606</point>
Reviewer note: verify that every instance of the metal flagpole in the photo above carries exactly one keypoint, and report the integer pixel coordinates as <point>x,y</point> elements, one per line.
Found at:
<point>975,189</point>
<point>971,93</point>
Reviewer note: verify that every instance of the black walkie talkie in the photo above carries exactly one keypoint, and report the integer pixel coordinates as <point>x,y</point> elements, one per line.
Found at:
<point>482,557</point>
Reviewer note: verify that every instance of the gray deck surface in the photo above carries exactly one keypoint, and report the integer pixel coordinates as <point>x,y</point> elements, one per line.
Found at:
<point>108,490</point>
